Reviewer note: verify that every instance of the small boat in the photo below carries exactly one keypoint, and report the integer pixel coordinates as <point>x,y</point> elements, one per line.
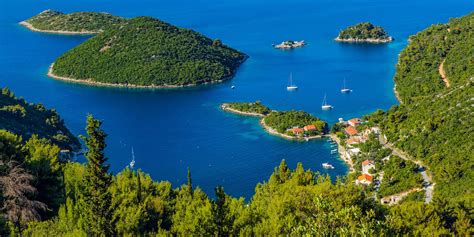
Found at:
<point>306,139</point>
<point>232,87</point>
<point>291,86</point>
<point>328,166</point>
<point>324,105</point>
<point>344,89</point>
<point>132,163</point>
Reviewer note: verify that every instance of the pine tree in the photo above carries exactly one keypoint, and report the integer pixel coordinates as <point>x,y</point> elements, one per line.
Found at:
<point>97,214</point>
<point>190,183</point>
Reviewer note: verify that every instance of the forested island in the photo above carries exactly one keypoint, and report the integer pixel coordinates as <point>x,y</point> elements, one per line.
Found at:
<point>50,21</point>
<point>292,124</point>
<point>148,53</point>
<point>44,196</point>
<point>27,119</point>
<point>364,32</point>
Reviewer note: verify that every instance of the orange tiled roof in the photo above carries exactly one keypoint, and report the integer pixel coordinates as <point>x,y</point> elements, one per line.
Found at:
<point>297,130</point>
<point>365,177</point>
<point>309,127</point>
<point>367,162</point>
<point>353,140</point>
<point>355,121</point>
<point>351,130</point>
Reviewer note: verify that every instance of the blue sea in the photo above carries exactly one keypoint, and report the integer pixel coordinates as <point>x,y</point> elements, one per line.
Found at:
<point>171,130</point>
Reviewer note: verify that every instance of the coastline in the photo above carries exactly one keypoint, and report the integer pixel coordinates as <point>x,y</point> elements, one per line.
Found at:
<point>226,107</point>
<point>342,153</point>
<point>396,94</point>
<point>129,86</point>
<point>62,32</point>
<point>370,40</point>
<point>272,131</point>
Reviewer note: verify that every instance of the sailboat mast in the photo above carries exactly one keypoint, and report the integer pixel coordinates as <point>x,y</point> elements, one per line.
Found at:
<point>133,155</point>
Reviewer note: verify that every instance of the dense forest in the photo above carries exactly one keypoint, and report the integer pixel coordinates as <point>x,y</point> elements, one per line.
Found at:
<point>26,119</point>
<point>149,52</point>
<point>434,123</point>
<point>44,196</point>
<point>50,20</point>
<point>364,31</point>
<point>281,121</point>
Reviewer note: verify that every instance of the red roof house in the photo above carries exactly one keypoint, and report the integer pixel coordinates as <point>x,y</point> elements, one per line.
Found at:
<point>309,127</point>
<point>354,122</point>
<point>297,131</point>
<point>350,131</point>
<point>365,179</point>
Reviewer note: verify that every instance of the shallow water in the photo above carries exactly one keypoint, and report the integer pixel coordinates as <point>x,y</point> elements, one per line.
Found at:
<point>171,130</point>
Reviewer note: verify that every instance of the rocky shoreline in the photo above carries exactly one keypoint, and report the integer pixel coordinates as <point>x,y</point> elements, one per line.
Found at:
<point>32,28</point>
<point>226,107</point>
<point>90,82</point>
<point>370,40</point>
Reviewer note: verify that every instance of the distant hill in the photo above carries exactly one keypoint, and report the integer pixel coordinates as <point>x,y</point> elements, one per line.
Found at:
<point>78,22</point>
<point>434,123</point>
<point>364,32</point>
<point>147,52</point>
<point>26,119</point>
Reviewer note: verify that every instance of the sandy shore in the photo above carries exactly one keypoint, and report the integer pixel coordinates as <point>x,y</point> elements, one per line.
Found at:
<point>118,85</point>
<point>32,28</point>
<point>227,108</point>
<point>374,41</point>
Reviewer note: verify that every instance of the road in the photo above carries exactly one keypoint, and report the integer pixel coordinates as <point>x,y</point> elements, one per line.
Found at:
<point>428,186</point>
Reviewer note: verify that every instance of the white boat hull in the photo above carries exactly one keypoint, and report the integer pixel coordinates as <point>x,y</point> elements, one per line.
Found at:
<point>291,88</point>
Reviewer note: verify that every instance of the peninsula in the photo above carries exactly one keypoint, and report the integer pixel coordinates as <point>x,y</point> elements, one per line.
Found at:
<point>364,33</point>
<point>293,125</point>
<point>55,22</point>
<point>148,53</point>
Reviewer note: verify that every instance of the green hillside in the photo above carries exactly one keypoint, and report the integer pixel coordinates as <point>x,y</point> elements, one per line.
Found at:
<point>50,20</point>
<point>149,52</point>
<point>434,124</point>
<point>26,119</point>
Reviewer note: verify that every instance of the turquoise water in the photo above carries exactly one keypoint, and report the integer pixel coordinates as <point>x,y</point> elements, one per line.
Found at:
<point>171,130</point>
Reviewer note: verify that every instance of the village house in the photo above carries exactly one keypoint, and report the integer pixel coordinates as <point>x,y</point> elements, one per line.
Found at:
<point>367,165</point>
<point>364,179</point>
<point>352,152</point>
<point>354,122</point>
<point>350,131</point>
<point>353,140</point>
<point>308,128</point>
<point>297,131</point>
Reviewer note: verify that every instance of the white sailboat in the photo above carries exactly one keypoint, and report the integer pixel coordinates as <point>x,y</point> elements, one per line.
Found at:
<point>132,163</point>
<point>328,166</point>
<point>324,105</point>
<point>344,89</point>
<point>291,86</point>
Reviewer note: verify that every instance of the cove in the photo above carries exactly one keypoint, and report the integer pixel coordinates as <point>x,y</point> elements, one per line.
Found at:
<point>171,130</point>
